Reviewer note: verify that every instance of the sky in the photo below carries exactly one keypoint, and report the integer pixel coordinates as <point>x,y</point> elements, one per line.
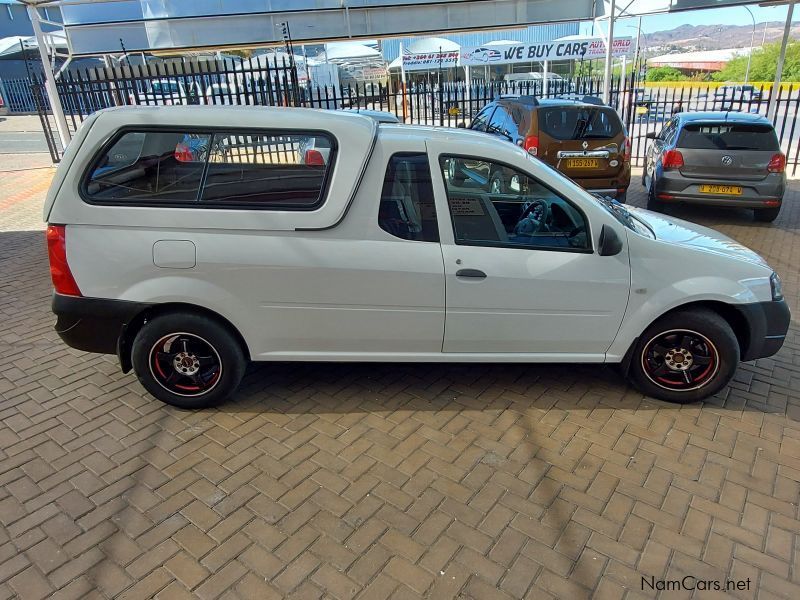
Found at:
<point>733,15</point>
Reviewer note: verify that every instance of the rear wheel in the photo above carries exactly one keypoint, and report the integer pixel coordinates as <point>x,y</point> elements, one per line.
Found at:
<point>654,203</point>
<point>685,356</point>
<point>188,360</point>
<point>767,214</point>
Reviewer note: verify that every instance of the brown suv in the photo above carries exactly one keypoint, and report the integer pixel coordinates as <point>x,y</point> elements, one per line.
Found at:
<point>581,137</point>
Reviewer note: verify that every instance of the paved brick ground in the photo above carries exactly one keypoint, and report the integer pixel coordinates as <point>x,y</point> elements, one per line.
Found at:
<point>377,481</point>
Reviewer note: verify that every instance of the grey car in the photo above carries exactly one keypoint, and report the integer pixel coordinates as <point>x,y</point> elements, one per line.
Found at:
<point>727,159</point>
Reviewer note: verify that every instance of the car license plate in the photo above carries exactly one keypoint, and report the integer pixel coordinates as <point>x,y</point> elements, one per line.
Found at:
<point>727,190</point>
<point>583,163</point>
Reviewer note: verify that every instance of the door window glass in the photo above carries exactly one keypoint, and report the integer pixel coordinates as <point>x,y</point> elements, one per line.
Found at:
<point>497,125</point>
<point>667,132</point>
<point>407,208</point>
<point>480,121</point>
<point>495,205</point>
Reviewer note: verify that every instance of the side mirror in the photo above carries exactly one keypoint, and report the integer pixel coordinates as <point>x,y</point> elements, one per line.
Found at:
<point>461,125</point>
<point>610,243</point>
<point>650,135</point>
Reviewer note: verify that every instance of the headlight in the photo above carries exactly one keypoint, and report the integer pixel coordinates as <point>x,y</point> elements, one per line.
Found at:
<point>777,287</point>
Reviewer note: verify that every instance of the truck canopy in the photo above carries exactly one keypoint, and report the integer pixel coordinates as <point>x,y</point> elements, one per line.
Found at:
<point>226,139</point>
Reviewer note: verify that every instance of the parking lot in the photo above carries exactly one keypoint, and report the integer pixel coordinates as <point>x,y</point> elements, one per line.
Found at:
<point>388,480</point>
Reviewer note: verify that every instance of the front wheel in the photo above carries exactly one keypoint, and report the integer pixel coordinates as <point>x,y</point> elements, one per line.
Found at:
<point>685,356</point>
<point>188,360</point>
<point>497,183</point>
<point>454,171</point>
<point>767,215</point>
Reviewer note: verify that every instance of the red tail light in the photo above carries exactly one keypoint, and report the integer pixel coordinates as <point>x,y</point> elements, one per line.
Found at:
<point>626,155</point>
<point>183,153</point>
<point>314,158</point>
<point>672,159</point>
<point>531,145</point>
<point>63,281</point>
<point>777,164</point>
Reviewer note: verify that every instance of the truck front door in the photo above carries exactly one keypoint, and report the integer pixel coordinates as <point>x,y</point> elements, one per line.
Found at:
<point>521,271</point>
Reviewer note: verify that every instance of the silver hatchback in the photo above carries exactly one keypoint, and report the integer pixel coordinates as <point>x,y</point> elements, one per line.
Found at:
<point>727,159</point>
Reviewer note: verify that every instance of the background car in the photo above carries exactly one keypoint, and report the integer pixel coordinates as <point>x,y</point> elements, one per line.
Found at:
<point>168,92</point>
<point>730,97</point>
<point>222,93</point>
<point>728,159</point>
<point>577,135</point>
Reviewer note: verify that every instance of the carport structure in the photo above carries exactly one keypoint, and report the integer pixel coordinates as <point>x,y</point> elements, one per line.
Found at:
<point>103,27</point>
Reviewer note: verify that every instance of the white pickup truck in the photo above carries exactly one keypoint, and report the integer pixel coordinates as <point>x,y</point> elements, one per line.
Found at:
<point>190,240</point>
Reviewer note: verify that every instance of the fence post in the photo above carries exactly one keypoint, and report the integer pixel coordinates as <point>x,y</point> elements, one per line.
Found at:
<point>50,80</point>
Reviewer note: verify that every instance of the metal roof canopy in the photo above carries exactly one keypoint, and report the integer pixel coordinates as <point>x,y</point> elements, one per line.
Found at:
<point>97,27</point>
<point>103,26</point>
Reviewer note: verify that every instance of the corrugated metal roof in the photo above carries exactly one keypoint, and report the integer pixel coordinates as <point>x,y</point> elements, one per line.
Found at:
<point>700,57</point>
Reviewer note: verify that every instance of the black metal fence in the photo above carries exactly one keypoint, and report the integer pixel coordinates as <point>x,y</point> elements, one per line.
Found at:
<point>269,82</point>
<point>18,96</point>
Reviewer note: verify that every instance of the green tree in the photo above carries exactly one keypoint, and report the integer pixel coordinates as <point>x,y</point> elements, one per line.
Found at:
<point>763,65</point>
<point>665,74</point>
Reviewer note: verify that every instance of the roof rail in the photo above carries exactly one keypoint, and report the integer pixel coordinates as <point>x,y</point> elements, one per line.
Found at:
<point>585,98</point>
<point>527,99</point>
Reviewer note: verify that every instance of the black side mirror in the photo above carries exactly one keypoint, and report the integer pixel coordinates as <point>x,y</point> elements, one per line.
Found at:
<point>610,243</point>
<point>650,135</point>
<point>461,125</point>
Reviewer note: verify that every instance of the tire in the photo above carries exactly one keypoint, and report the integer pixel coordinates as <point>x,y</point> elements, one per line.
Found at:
<point>454,171</point>
<point>622,198</point>
<point>654,203</point>
<point>685,356</point>
<point>188,360</point>
<point>497,183</point>
<point>767,215</point>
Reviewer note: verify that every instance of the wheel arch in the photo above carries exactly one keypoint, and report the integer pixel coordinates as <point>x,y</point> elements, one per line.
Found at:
<point>129,331</point>
<point>732,315</point>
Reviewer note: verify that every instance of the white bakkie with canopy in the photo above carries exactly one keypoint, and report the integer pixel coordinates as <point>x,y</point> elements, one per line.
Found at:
<point>189,240</point>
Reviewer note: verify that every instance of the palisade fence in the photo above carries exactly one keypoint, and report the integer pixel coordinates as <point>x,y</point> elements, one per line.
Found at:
<point>270,83</point>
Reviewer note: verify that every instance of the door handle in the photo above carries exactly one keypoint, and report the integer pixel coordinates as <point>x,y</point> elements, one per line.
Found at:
<point>474,273</point>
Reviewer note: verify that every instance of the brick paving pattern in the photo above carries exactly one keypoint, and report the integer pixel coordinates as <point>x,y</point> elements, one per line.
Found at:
<point>386,481</point>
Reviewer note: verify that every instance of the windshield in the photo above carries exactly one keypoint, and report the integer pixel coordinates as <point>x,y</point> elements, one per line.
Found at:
<point>624,216</point>
<point>614,208</point>
<point>579,122</point>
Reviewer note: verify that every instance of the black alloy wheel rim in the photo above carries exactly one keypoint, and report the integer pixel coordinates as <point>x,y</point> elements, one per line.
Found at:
<point>185,364</point>
<point>680,360</point>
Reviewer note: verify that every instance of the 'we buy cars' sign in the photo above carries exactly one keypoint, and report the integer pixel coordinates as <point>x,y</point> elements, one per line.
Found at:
<point>572,49</point>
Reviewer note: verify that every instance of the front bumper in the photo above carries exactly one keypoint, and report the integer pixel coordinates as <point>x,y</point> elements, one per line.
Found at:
<point>93,324</point>
<point>767,325</point>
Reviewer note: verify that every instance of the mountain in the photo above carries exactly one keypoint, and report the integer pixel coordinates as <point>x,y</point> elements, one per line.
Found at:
<point>712,37</point>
